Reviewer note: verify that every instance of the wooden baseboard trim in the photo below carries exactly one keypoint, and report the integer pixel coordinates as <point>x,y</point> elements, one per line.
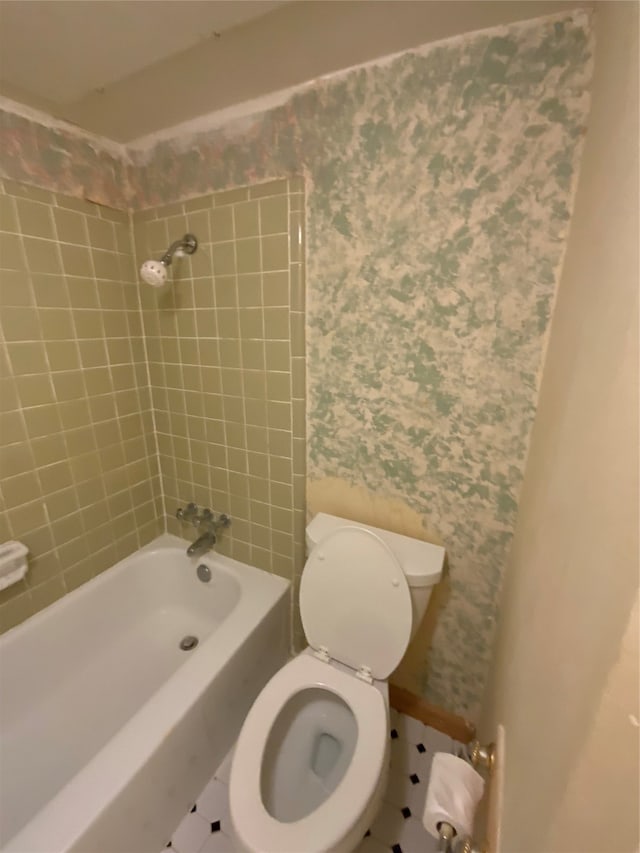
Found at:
<point>418,708</point>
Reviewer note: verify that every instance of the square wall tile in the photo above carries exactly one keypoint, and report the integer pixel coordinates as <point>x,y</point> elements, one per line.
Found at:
<point>60,374</point>
<point>231,347</point>
<point>119,400</point>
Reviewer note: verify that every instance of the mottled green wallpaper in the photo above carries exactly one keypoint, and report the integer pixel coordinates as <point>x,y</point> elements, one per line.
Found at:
<point>437,224</point>
<point>439,192</point>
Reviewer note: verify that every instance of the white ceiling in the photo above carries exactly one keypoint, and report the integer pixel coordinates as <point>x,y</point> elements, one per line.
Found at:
<point>127,69</point>
<point>61,50</point>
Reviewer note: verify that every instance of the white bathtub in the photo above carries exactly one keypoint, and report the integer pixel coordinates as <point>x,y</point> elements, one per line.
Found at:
<point>108,731</point>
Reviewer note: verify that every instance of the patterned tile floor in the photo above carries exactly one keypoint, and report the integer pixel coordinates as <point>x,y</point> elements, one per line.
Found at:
<point>397,827</point>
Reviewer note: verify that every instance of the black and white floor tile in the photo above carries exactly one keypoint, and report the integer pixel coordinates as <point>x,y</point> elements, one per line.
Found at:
<point>397,827</point>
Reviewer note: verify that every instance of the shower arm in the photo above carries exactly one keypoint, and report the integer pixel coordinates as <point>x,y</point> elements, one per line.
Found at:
<point>188,244</point>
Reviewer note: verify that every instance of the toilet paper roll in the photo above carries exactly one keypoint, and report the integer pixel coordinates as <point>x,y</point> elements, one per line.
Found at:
<point>454,792</point>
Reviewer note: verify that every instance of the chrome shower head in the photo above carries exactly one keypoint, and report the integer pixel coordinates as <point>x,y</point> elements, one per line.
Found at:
<point>155,272</point>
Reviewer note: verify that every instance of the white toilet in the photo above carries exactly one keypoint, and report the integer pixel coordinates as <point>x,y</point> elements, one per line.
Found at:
<point>310,765</point>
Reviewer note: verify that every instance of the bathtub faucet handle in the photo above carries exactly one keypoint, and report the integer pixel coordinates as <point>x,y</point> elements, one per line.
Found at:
<point>207,520</point>
<point>189,513</point>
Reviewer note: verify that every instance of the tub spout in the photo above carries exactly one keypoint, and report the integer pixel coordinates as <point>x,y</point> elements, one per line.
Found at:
<point>202,544</point>
<point>206,521</point>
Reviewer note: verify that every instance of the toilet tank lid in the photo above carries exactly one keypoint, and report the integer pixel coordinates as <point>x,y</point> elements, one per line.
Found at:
<point>421,562</point>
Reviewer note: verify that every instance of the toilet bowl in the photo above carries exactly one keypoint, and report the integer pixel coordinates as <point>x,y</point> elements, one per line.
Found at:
<point>311,761</point>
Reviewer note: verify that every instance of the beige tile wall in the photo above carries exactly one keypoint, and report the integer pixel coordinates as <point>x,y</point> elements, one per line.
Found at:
<point>91,455</point>
<point>225,343</point>
<point>79,481</point>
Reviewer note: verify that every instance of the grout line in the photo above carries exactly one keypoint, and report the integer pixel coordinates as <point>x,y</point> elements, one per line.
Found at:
<point>218,359</point>
<point>265,373</point>
<point>292,590</point>
<point>63,433</point>
<point>116,393</point>
<point>148,373</point>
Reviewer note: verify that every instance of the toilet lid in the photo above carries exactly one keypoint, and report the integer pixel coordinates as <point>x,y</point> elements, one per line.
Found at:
<point>355,601</point>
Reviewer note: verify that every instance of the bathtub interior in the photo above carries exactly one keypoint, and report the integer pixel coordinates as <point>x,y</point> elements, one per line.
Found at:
<point>73,676</point>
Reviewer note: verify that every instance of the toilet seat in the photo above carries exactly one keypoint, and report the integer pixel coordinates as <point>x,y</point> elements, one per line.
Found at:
<point>355,603</point>
<point>327,826</point>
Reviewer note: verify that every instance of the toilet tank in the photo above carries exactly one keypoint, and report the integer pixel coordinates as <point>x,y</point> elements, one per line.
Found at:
<point>421,561</point>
